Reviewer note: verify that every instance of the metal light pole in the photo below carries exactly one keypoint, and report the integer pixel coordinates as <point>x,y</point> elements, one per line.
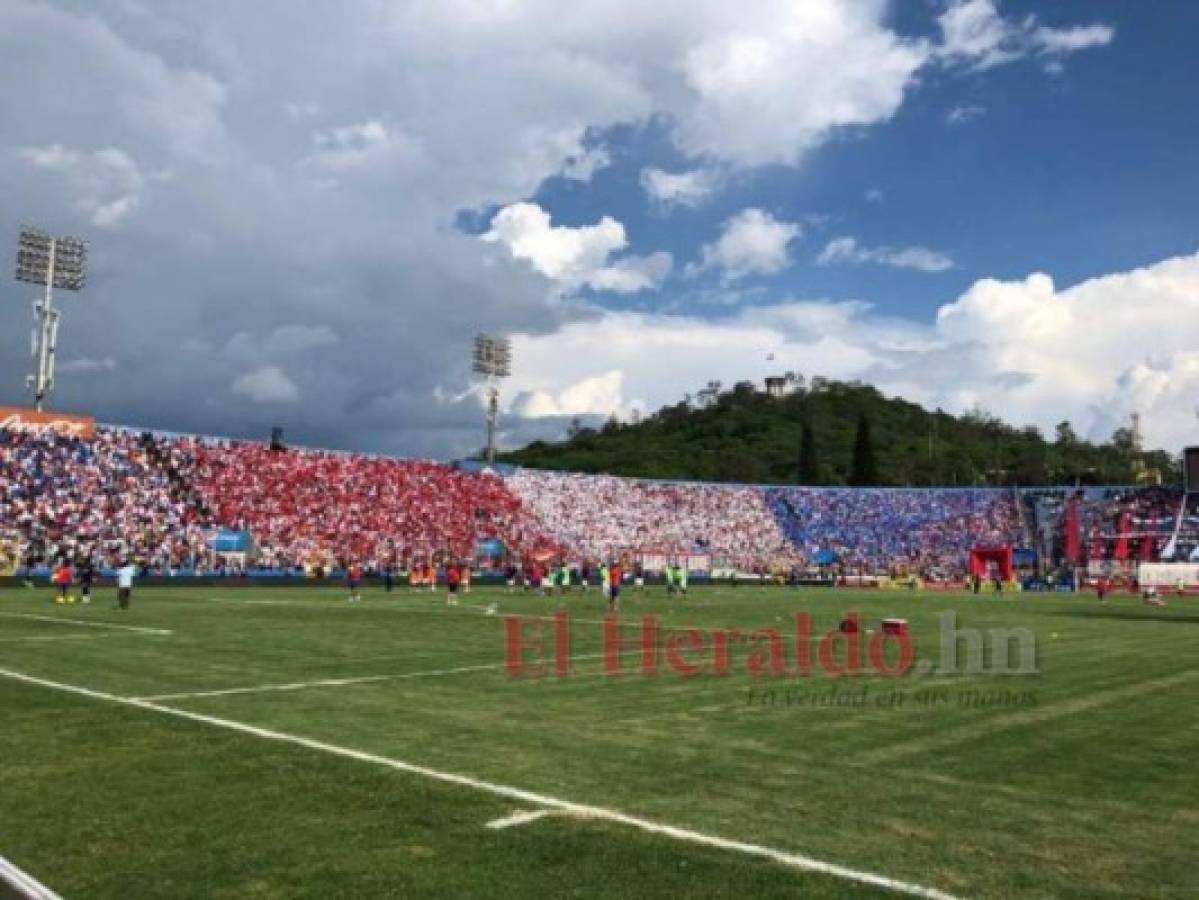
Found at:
<point>492,361</point>
<point>54,262</point>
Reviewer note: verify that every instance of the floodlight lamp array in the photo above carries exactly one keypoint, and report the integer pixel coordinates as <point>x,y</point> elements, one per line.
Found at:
<point>492,356</point>
<point>36,248</point>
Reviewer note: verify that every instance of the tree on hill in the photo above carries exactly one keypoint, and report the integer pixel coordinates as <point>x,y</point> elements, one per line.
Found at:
<point>809,460</point>
<point>744,434</point>
<point>863,471</point>
<point>1065,436</point>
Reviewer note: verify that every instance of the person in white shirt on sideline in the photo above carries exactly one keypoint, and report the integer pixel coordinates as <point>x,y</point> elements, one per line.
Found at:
<point>125,584</point>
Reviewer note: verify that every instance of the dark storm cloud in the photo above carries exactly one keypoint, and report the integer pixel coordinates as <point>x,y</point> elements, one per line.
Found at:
<point>254,260</point>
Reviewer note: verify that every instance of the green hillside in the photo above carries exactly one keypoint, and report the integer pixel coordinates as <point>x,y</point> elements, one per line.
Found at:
<point>745,435</point>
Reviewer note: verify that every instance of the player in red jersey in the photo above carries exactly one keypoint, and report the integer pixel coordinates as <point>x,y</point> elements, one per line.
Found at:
<point>62,581</point>
<point>453,578</point>
<point>354,580</point>
<point>615,574</point>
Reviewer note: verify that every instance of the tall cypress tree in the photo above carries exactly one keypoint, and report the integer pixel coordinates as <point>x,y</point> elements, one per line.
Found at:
<point>862,471</point>
<point>809,463</point>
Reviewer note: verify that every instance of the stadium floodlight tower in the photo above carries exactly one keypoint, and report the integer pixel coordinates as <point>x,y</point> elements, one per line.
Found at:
<point>492,361</point>
<point>53,262</point>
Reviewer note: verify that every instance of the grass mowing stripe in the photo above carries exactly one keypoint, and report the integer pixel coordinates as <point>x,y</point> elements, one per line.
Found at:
<point>59,637</point>
<point>1047,713</point>
<point>83,623</point>
<point>786,858</point>
<point>23,883</point>
<point>439,608</point>
<point>628,613</point>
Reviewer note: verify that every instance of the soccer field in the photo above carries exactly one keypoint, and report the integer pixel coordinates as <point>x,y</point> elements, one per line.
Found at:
<point>281,742</point>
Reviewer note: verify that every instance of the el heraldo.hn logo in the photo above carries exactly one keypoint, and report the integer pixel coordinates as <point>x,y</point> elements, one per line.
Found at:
<point>540,646</point>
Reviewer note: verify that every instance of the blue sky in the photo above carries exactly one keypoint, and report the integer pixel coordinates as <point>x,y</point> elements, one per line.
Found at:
<point>303,219</point>
<point>1079,173</point>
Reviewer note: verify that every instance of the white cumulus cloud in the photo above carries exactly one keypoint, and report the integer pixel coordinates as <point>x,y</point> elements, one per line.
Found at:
<point>266,385</point>
<point>106,184</point>
<point>319,162</point>
<point>575,257</point>
<point>975,34</point>
<point>361,146</point>
<point>746,85</point>
<point>1026,350</point>
<point>689,188</point>
<point>1070,40</point>
<point>599,395</point>
<point>848,250</point>
<point>960,115</point>
<point>753,242</point>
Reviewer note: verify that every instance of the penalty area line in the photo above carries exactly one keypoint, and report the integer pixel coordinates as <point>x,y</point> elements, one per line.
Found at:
<point>786,858</point>
<point>323,682</point>
<point>352,680</point>
<point>26,886</point>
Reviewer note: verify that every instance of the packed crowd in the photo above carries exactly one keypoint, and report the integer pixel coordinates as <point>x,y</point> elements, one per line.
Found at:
<point>1129,523</point>
<point>925,530</point>
<point>1109,524</point>
<point>161,500</point>
<point>106,498</point>
<point>601,516</point>
<point>1186,546</point>
<point>302,505</point>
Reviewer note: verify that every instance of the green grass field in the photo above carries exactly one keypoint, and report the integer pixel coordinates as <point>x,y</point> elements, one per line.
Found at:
<point>1086,787</point>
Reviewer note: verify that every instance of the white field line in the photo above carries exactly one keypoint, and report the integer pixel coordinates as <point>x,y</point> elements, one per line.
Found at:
<point>786,858</point>
<point>521,817</point>
<point>59,637</point>
<point>323,682</point>
<point>362,679</point>
<point>83,623</point>
<point>25,885</point>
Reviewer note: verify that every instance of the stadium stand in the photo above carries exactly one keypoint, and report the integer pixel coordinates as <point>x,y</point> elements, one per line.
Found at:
<point>107,497</point>
<point>302,503</point>
<point>926,530</point>
<point>161,499</point>
<point>1114,524</point>
<point>1131,523</point>
<point>596,516</point>
<point>1186,540</point>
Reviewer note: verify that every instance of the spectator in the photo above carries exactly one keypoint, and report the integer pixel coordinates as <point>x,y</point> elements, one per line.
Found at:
<point>601,516</point>
<point>924,530</point>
